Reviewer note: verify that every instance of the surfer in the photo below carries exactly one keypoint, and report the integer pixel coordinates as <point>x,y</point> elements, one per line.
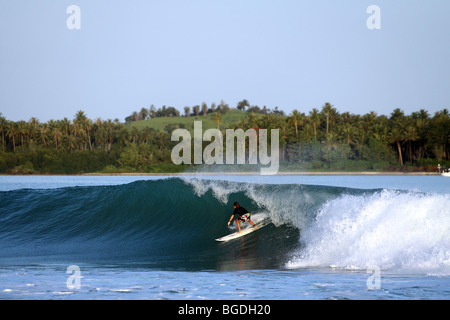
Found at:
<point>241,215</point>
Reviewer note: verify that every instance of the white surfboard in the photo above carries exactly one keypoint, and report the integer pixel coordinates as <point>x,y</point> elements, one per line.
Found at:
<point>243,232</point>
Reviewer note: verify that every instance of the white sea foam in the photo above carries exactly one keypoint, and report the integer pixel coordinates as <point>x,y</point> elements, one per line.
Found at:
<point>395,231</point>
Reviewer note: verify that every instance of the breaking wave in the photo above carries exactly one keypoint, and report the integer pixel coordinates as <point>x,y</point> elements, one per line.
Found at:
<point>172,223</point>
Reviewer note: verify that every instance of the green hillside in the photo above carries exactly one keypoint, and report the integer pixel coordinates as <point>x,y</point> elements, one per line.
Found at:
<point>229,119</point>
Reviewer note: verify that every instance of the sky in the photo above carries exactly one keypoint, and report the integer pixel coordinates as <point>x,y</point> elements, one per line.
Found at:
<point>293,54</point>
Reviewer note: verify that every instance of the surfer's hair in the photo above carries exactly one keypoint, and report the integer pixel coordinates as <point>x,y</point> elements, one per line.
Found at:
<point>236,204</point>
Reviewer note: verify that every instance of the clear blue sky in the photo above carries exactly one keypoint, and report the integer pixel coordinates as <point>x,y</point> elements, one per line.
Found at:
<point>287,53</point>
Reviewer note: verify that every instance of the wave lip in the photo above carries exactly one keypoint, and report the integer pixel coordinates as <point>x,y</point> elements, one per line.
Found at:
<point>405,232</point>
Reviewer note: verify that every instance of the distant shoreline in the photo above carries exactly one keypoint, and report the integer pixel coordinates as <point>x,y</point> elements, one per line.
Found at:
<point>283,173</point>
<point>294,173</point>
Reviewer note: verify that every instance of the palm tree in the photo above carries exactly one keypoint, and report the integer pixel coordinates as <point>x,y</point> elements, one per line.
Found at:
<point>187,111</point>
<point>330,138</point>
<point>307,132</point>
<point>57,135</point>
<point>100,134</point>
<point>84,126</point>
<point>315,119</point>
<point>421,122</point>
<point>222,106</point>
<point>204,108</point>
<point>438,135</point>
<point>348,132</point>
<point>33,129</point>
<point>11,131</point>
<point>65,126</point>
<point>22,131</point>
<point>70,143</point>
<point>196,109</point>
<point>80,116</point>
<point>381,134</point>
<point>109,130</point>
<point>43,130</point>
<point>161,138</point>
<point>88,128</point>
<point>397,116</point>
<point>296,118</point>
<point>79,123</point>
<point>395,136</point>
<point>330,114</point>
<point>146,133</point>
<point>217,117</point>
<point>397,124</point>
<point>242,104</point>
<point>143,114</point>
<point>3,126</point>
<point>410,135</point>
<point>134,134</point>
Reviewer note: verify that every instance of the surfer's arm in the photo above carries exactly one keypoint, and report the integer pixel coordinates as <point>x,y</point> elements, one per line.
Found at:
<point>231,219</point>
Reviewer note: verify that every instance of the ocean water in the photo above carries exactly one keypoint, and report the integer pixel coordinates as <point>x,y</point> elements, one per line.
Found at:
<point>152,237</point>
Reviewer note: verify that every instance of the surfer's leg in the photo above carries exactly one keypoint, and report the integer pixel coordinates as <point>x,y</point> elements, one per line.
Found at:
<point>251,222</point>
<point>239,225</point>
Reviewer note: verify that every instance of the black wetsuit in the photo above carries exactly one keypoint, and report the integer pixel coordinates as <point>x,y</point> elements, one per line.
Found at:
<point>238,212</point>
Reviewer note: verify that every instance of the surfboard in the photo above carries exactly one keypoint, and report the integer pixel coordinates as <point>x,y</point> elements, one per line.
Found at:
<point>243,232</point>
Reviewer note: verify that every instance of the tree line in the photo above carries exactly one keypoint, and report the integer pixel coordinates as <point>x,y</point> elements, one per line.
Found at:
<point>164,111</point>
<point>327,139</point>
<point>197,110</point>
<point>319,139</point>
